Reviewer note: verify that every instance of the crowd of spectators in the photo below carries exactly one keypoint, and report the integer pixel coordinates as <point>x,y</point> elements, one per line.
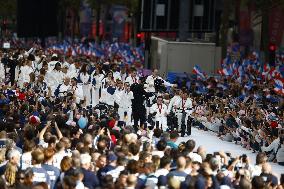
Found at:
<point>53,139</point>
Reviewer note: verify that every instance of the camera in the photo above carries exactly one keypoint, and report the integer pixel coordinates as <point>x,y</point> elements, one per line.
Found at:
<point>159,85</point>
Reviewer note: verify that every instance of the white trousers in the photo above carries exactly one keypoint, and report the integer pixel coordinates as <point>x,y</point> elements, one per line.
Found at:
<point>95,96</point>
<point>179,116</point>
<point>87,94</point>
<point>162,122</point>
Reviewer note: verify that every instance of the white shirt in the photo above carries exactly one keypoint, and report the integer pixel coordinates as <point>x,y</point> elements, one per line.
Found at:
<point>51,65</point>
<point>123,77</point>
<point>123,98</point>
<point>115,172</point>
<point>107,97</point>
<point>273,146</point>
<point>63,89</point>
<point>80,185</point>
<point>116,76</point>
<point>57,158</point>
<point>85,78</point>
<point>161,172</point>
<point>2,72</point>
<point>54,78</point>
<point>25,73</point>
<point>173,101</point>
<point>98,79</point>
<point>79,94</point>
<point>72,71</point>
<point>118,96</point>
<point>132,80</point>
<point>17,73</point>
<point>105,81</point>
<point>26,160</point>
<point>280,154</point>
<point>160,109</point>
<point>185,105</point>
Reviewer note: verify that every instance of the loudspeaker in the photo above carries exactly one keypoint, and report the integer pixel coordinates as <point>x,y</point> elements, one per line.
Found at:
<point>37,18</point>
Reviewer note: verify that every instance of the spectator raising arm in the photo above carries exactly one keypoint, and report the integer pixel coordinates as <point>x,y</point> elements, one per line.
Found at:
<point>59,134</point>
<point>42,132</point>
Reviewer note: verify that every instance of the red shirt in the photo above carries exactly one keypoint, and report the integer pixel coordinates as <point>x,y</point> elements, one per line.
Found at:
<point>273,124</point>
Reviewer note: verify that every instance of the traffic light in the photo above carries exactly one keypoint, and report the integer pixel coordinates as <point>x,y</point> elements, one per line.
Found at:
<point>272,49</point>
<point>138,39</point>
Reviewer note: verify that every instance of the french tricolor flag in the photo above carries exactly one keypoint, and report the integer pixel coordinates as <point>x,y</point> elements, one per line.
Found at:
<point>226,72</point>
<point>196,70</point>
<point>279,86</point>
<point>266,68</point>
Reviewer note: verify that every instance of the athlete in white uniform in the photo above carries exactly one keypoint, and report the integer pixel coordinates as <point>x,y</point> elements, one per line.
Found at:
<point>160,111</point>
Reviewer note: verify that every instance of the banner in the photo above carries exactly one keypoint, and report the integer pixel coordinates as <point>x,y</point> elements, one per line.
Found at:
<point>85,19</point>
<point>119,17</point>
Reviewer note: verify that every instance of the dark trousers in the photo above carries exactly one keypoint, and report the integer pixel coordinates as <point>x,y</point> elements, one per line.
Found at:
<point>186,127</point>
<point>139,114</point>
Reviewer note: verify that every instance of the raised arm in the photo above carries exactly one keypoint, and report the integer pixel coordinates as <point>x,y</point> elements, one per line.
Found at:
<point>41,134</point>
<point>59,134</point>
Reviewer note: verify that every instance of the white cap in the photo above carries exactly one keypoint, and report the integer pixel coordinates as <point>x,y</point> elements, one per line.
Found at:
<point>54,55</point>
<point>195,157</point>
